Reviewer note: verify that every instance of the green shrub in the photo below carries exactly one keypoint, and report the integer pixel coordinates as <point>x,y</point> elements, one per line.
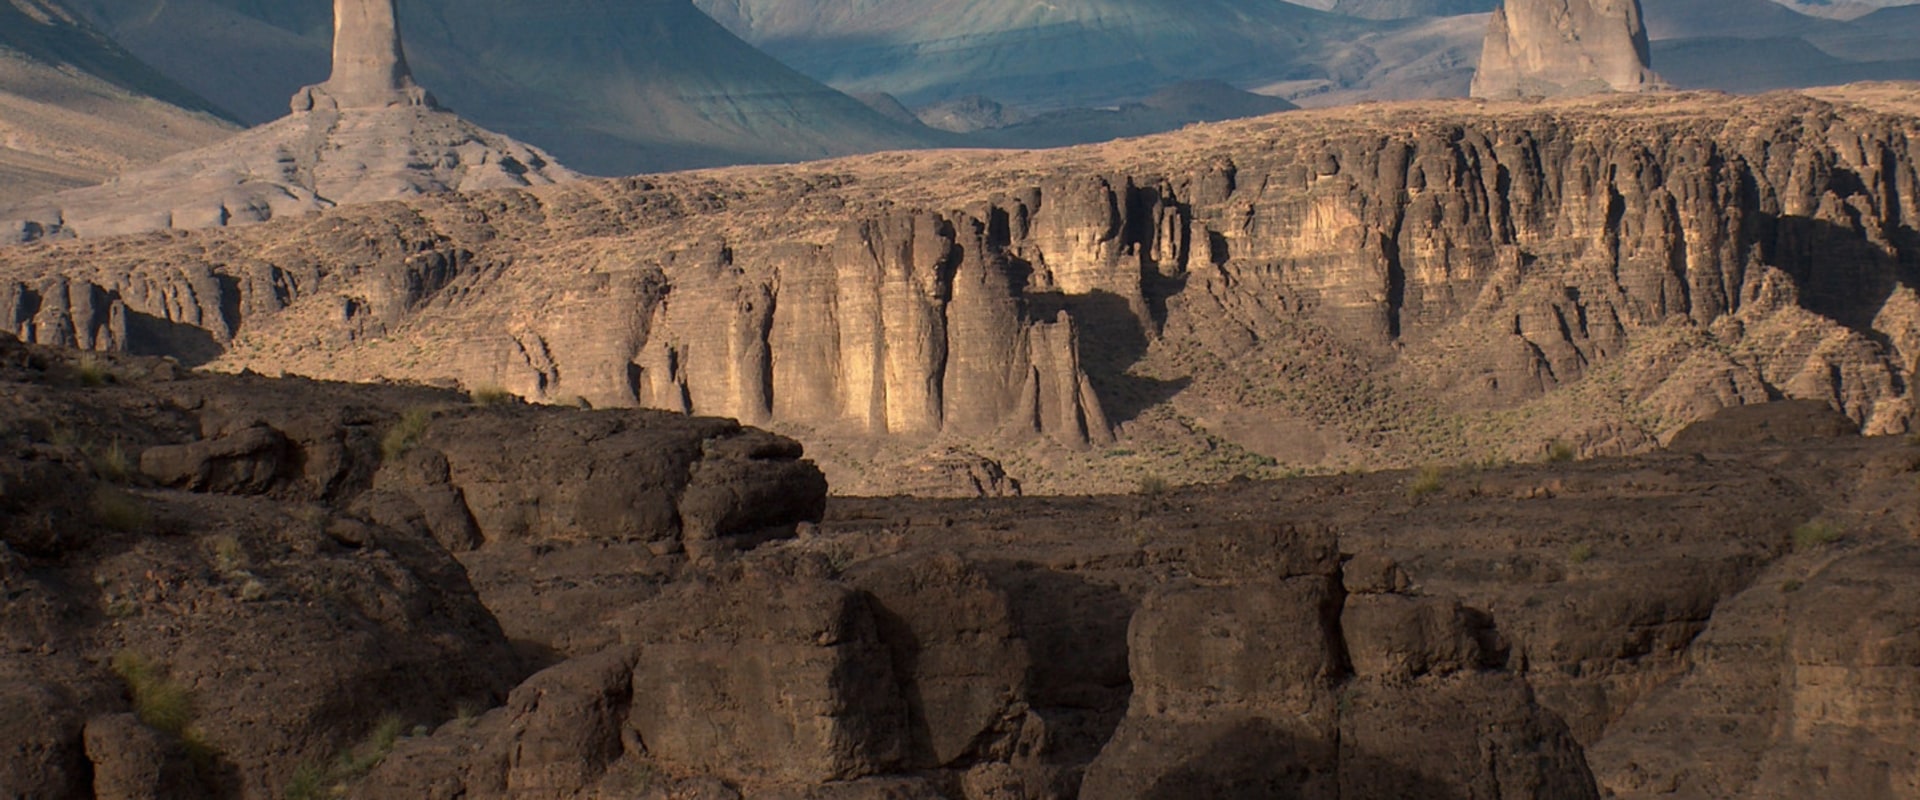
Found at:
<point>1581,553</point>
<point>92,371</point>
<point>312,782</point>
<point>113,464</point>
<point>1153,486</point>
<point>360,760</point>
<point>159,702</point>
<point>1791,586</point>
<point>1561,452</point>
<point>1816,534</point>
<point>1430,480</point>
<point>405,434</point>
<point>492,396</point>
<point>120,511</point>
<point>309,783</point>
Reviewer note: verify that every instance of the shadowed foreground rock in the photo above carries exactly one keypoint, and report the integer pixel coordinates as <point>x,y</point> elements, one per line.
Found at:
<point>198,608</point>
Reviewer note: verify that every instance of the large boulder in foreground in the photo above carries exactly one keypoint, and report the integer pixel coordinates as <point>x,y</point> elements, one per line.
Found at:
<point>1555,48</point>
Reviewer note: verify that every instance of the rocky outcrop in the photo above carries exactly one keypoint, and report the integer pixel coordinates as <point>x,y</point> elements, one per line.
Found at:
<point>1326,289</point>
<point>1552,48</point>
<point>259,571</point>
<point>368,133</point>
<point>1261,677</point>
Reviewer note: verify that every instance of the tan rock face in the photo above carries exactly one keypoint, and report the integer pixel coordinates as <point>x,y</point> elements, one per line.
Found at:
<point>369,63</point>
<point>1392,285</point>
<point>1565,47</point>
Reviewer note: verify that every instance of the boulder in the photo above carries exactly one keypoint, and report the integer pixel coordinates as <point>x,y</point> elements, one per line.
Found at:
<point>134,762</point>
<point>767,679</point>
<point>248,461</point>
<point>961,664</point>
<point>42,753</point>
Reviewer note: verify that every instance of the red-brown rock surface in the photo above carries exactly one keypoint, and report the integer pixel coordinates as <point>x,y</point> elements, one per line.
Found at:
<point>198,608</point>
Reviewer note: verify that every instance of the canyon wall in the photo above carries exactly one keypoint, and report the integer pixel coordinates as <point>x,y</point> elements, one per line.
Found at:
<point>1407,282</point>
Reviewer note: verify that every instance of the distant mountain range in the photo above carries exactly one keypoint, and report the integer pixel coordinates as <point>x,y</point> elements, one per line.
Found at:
<point>608,87</point>
<point>617,88</point>
<point>76,108</point>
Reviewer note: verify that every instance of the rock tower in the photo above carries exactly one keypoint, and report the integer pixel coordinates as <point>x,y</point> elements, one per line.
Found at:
<point>369,63</point>
<point>1554,48</point>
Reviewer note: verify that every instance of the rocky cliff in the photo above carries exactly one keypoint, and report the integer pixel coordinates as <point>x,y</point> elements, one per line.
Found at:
<point>1553,48</point>
<point>1390,285</point>
<point>250,587</point>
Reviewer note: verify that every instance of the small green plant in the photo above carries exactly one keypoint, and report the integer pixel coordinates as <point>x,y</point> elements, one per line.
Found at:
<point>313,782</point>
<point>113,464</point>
<point>1561,452</point>
<point>1430,480</point>
<point>1153,486</point>
<point>379,743</point>
<point>121,607</point>
<point>159,702</point>
<point>92,371</point>
<point>63,437</point>
<point>1815,535</point>
<point>309,783</point>
<point>1791,586</point>
<point>1581,553</point>
<point>228,555</point>
<point>405,434</point>
<point>120,511</point>
<point>492,396</point>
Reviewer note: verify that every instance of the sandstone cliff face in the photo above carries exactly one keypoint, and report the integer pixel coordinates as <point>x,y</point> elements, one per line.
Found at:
<point>1560,47</point>
<point>1329,289</point>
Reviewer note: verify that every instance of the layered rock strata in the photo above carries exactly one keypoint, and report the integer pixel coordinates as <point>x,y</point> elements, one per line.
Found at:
<point>1393,285</point>
<point>1551,48</point>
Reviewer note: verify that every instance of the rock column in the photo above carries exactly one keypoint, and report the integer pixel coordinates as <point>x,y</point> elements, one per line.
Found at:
<point>1550,48</point>
<point>369,63</point>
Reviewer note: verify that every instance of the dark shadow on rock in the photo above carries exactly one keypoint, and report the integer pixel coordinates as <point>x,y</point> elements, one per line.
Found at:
<point>1257,759</point>
<point>148,335</point>
<point>1841,274</point>
<point>1113,338</point>
<point>1076,631</point>
<point>904,647</point>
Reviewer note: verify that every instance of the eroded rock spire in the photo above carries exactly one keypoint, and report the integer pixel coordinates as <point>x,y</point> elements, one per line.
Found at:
<point>369,62</point>
<point>1551,48</point>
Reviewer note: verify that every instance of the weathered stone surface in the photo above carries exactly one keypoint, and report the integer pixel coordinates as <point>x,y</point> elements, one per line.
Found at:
<point>134,762</point>
<point>1803,686</point>
<point>1392,287</point>
<point>961,664</point>
<point>1397,637</point>
<point>369,62</point>
<point>40,739</point>
<point>1565,47</point>
<point>1783,423</point>
<point>766,679</point>
<point>248,461</point>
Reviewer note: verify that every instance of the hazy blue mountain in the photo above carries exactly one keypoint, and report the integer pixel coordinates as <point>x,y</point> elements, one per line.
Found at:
<point>607,86</point>
<point>76,108</point>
